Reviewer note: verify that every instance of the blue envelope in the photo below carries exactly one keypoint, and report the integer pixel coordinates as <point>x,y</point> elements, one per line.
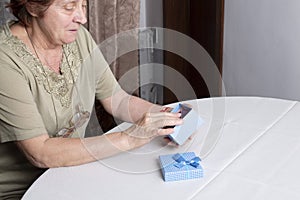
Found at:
<point>191,123</point>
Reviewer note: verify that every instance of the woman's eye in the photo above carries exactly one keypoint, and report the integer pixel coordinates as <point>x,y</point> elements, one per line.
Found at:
<point>84,5</point>
<point>70,6</point>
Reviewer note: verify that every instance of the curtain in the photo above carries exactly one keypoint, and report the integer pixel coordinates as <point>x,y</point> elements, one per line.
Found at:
<point>106,19</point>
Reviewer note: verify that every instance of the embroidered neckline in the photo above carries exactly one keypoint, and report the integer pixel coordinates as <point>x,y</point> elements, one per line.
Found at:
<point>60,85</point>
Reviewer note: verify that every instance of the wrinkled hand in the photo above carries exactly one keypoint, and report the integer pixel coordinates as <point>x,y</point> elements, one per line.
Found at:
<point>150,126</point>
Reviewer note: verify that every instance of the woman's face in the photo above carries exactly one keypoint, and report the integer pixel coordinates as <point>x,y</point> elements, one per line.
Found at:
<point>62,20</point>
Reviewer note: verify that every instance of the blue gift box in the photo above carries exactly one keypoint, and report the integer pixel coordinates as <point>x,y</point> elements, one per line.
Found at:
<point>183,166</point>
<point>192,122</point>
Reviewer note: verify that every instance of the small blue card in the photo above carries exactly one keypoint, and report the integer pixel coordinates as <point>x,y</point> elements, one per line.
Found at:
<point>183,166</point>
<point>191,123</point>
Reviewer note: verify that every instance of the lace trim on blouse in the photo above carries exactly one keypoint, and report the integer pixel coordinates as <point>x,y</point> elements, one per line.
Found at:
<point>58,85</point>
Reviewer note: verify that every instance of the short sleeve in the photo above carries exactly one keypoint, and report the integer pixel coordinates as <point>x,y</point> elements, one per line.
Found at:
<point>105,81</point>
<point>19,115</point>
<point>107,85</point>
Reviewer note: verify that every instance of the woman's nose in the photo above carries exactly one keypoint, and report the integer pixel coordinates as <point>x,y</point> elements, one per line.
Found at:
<point>80,16</point>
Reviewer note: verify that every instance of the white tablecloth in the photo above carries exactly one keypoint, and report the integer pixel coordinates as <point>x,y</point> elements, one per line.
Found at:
<point>250,148</point>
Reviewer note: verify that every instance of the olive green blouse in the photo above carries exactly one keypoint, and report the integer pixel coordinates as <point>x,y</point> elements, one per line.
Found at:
<point>35,100</point>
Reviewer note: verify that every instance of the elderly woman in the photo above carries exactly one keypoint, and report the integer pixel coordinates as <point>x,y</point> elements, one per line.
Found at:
<point>51,71</point>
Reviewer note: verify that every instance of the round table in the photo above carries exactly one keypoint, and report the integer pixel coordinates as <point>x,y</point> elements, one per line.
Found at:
<point>249,146</point>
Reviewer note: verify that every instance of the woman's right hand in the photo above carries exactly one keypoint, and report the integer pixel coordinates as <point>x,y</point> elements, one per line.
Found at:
<point>150,126</point>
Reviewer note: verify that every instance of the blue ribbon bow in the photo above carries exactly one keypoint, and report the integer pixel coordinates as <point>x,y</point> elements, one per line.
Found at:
<point>181,162</point>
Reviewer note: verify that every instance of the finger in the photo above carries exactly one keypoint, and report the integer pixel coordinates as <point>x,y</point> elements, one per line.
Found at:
<point>169,142</point>
<point>165,132</point>
<point>155,117</point>
<point>159,121</point>
<point>172,144</point>
<point>166,109</point>
<point>162,114</point>
<point>166,123</point>
<point>168,114</point>
<point>193,135</point>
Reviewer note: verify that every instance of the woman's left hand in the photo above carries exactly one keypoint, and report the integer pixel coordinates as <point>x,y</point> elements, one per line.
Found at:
<point>150,126</point>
